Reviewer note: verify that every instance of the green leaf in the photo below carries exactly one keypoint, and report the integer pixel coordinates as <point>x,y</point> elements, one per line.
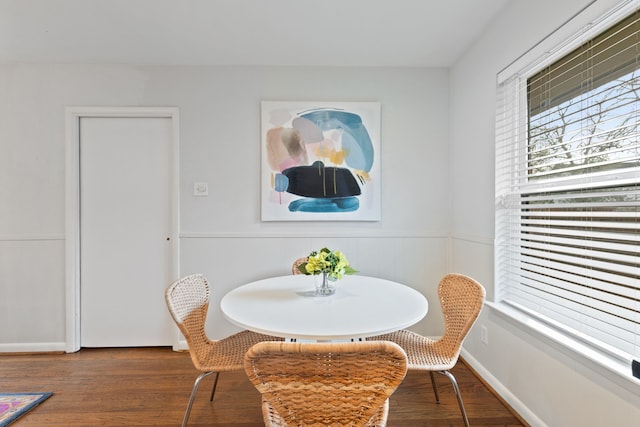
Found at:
<point>302,268</point>
<point>349,270</point>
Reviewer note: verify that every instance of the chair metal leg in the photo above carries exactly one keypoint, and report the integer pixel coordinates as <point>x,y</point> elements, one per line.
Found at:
<point>196,383</point>
<point>435,386</point>
<point>215,384</point>
<point>457,390</point>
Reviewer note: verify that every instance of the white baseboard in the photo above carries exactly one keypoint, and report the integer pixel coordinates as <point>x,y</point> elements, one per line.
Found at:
<point>38,347</point>
<point>44,347</point>
<point>181,345</point>
<point>504,392</point>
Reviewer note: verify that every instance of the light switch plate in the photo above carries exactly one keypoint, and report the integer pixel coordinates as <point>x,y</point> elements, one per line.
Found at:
<point>200,189</point>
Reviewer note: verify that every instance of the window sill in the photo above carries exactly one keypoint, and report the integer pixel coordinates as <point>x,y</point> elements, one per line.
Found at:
<point>594,360</point>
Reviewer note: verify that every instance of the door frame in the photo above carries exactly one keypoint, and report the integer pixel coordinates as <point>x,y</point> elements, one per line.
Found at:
<point>72,202</point>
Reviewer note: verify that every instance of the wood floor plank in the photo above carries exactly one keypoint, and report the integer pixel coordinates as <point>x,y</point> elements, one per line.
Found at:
<point>151,386</point>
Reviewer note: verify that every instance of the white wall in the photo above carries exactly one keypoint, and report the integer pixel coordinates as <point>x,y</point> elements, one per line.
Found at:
<point>545,383</point>
<point>222,235</point>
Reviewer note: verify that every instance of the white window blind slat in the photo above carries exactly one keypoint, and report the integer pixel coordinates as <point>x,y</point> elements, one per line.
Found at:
<point>618,296</point>
<point>618,348</point>
<point>585,254</point>
<point>556,262</point>
<point>629,226</point>
<point>619,179</point>
<point>599,283</point>
<point>629,241</point>
<point>574,312</point>
<point>607,317</point>
<point>550,215</point>
<point>612,251</point>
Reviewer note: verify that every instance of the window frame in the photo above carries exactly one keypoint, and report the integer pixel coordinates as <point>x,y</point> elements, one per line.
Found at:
<point>549,330</point>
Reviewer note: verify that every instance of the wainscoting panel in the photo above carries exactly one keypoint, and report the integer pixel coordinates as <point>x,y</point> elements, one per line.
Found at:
<point>32,292</point>
<point>231,261</point>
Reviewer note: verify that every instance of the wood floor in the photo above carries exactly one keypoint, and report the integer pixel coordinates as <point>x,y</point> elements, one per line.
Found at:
<point>150,387</point>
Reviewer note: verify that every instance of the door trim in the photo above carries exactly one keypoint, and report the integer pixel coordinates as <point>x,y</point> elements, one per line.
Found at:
<point>72,202</point>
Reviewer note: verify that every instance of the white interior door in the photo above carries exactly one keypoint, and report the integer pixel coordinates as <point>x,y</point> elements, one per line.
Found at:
<point>125,229</point>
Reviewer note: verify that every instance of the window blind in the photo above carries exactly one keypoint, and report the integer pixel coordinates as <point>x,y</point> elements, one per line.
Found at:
<point>604,58</point>
<point>568,190</point>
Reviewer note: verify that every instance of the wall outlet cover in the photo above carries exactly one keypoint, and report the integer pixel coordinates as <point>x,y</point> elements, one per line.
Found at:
<point>200,189</point>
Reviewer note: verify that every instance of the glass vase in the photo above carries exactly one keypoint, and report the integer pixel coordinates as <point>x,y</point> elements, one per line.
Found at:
<point>324,287</point>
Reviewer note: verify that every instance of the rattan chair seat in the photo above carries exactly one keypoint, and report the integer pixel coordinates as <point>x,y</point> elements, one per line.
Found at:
<point>223,355</point>
<point>423,354</point>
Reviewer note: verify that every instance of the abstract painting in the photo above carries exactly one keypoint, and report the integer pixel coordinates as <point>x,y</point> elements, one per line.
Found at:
<point>320,161</point>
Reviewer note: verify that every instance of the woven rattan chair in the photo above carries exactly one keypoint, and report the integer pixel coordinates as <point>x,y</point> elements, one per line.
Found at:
<point>188,302</point>
<point>461,299</point>
<point>296,264</point>
<point>326,384</point>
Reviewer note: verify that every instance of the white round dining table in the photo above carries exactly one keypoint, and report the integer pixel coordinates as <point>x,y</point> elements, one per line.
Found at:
<point>287,307</point>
